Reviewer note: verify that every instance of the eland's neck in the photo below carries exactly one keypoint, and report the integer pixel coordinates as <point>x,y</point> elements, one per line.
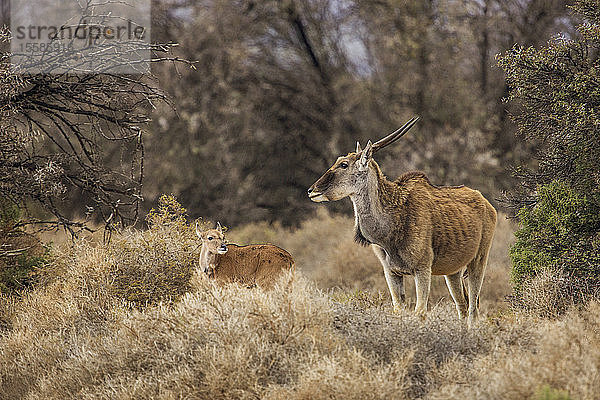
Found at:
<point>368,209</point>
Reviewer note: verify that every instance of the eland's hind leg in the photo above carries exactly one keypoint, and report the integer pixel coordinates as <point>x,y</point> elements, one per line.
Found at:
<point>476,272</point>
<point>455,287</point>
<point>394,281</point>
<point>476,268</point>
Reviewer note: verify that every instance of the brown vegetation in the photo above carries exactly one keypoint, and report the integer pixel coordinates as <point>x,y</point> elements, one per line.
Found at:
<point>79,334</point>
<point>59,129</point>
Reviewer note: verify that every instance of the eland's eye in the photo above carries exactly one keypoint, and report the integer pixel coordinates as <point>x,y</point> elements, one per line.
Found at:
<point>344,165</point>
<point>210,238</point>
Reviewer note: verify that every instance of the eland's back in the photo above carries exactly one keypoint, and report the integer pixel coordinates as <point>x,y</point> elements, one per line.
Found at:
<point>455,221</point>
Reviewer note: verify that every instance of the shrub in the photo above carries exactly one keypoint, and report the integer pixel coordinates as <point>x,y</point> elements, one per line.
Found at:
<point>137,267</point>
<point>561,234</point>
<point>552,292</point>
<point>533,356</point>
<point>86,131</point>
<point>289,343</point>
<point>548,393</point>
<point>558,93</point>
<point>157,264</point>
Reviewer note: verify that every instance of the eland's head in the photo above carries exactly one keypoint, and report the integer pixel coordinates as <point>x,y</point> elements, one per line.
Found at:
<point>348,172</point>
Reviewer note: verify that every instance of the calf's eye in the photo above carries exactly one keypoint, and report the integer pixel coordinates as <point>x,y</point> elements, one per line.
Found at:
<point>210,238</point>
<point>344,165</point>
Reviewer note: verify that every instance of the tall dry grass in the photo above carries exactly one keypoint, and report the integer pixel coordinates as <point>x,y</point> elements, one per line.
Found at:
<point>83,333</point>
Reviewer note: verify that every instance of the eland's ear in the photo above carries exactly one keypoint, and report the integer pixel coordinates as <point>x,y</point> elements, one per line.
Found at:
<point>358,149</point>
<point>365,157</point>
<point>219,227</point>
<point>198,231</point>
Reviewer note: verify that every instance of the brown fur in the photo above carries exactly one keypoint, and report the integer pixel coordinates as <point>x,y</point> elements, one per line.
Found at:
<point>452,219</point>
<point>255,264</point>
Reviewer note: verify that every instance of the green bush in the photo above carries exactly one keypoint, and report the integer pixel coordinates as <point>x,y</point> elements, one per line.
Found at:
<point>20,273</point>
<point>548,393</point>
<point>21,253</point>
<point>557,90</point>
<point>9,213</point>
<point>561,232</point>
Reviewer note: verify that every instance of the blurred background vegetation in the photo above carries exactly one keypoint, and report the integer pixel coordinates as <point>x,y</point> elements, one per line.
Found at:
<point>281,88</point>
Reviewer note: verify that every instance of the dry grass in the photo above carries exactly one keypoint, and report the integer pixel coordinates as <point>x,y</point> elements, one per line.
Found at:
<point>81,335</point>
<point>553,292</point>
<point>563,354</point>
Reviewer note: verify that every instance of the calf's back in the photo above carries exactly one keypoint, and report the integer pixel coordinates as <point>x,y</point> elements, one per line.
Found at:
<point>257,264</point>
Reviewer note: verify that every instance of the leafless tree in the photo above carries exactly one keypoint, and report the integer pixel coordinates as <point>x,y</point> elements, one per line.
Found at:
<point>59,129</point>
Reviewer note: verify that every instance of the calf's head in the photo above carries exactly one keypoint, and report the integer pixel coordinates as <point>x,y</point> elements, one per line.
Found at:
<point>213,239</point>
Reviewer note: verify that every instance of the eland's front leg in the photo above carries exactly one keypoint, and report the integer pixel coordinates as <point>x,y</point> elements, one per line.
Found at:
<point>394,281</point>
<point>422,286</point>
<point>396,285</point>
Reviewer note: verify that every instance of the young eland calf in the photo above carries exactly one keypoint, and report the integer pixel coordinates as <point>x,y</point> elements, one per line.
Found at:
<point>252,265</point>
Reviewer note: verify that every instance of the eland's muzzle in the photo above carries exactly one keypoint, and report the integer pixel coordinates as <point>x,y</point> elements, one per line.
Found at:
<point>316,195</point>
<point>222,249</point>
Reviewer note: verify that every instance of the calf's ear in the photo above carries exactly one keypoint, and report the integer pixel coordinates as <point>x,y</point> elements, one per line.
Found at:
<point>198,231</point>
<point>219,227</point>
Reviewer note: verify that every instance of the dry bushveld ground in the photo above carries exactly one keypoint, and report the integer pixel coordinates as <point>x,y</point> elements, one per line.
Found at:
<point>131,319</point>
